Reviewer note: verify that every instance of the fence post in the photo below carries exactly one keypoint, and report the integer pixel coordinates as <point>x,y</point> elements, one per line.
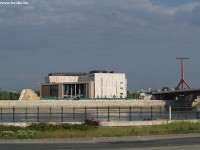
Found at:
<point>62,114</point>
<point>186,112</point>
<point>50,113</point>
<point>119,112</point>
<point>97,112</point>
<point>151,113</point>
<point>13,113</point>
<point>85,112</point>
<point>108,113</point>
<point>1,113</point>
<point>130,113</point>
<point>140,112</point>
<point>170,112</point>
<point>160,112</point>
<point>73,113</point>
<point>26,114</point>
<point>179,114</point>
<point>38,111</point>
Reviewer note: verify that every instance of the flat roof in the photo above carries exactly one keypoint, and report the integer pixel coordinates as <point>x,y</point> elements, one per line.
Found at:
<point>67,74</point>
<point>57,83</point>
<point>100,71</point>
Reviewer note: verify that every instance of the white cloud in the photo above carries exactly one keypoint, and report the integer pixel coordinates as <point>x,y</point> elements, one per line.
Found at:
<point>113,30</point>
<point>109,12</point>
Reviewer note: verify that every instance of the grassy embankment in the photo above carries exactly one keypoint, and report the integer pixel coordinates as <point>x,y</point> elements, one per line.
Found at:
<point>43,130</point>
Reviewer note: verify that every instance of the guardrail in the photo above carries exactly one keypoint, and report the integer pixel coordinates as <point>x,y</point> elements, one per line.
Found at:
<point>62,114</point>
<point>91,98</point>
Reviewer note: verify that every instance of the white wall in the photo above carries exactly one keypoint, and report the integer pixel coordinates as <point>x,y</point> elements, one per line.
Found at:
<point>61,79</point>
<point>109,85</point>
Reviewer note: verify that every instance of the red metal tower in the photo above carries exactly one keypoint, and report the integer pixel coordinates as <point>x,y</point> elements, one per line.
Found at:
<point>183,81</point>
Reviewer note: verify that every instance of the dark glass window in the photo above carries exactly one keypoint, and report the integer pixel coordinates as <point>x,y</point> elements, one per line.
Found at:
<point>54,90</point>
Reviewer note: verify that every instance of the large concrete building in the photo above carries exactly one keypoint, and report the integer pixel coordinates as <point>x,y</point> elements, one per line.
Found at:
<point>95,84</point>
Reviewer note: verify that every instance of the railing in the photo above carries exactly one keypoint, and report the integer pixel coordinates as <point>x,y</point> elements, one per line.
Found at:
<point>91,98</point>
<point>63,114</point>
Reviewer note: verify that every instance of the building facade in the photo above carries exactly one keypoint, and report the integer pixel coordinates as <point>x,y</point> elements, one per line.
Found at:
<point>95,84</point>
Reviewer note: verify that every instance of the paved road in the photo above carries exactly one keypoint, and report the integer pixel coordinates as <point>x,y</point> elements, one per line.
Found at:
<point>173,143</point>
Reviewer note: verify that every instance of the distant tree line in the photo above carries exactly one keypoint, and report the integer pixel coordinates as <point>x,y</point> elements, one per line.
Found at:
<point>6,95</point>
<point>133,95</point>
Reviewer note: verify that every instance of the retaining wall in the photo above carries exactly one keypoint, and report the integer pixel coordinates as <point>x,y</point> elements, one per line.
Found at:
<point>88,103</point>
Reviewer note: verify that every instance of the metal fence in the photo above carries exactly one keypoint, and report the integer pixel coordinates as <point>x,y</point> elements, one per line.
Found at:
<point>64,114</point>
<point>80,99</point>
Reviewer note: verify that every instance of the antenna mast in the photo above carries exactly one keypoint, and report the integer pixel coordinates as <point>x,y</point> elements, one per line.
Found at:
<point>183,81</point>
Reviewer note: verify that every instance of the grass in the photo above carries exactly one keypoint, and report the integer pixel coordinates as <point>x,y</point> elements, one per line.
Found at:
<point>45,130</point>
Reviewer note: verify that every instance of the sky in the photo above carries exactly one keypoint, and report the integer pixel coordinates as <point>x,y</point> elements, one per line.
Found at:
<point>141,38</point>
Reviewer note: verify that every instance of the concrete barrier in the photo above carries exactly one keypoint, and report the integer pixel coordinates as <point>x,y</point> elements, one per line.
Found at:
<point>83,103</point>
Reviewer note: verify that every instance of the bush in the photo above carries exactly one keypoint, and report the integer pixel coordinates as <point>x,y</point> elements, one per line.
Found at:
<point>23,134</point>
<point>65,126</point>
<point>81,127</point>
<point>6,134</point>
<point>10,128</point>
<point>43,127</point>
<point>75,126</point>
<point>92,123</point>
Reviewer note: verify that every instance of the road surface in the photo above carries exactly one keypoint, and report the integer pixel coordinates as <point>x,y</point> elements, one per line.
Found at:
<point>173,142</point>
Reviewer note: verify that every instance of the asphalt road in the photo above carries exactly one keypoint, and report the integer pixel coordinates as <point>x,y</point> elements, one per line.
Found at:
<point>182,143</point>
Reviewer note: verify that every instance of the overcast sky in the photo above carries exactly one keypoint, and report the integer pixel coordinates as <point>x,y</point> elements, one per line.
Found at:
<point>141,38</point>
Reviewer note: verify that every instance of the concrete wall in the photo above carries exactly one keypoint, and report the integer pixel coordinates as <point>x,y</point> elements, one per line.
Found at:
<point>88,103</point>
<point>91,89</point>
<point>61,79</point>
<point>109,85</point>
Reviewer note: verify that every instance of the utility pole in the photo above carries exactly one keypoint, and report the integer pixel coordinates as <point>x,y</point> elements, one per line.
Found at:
<point>183,81</point>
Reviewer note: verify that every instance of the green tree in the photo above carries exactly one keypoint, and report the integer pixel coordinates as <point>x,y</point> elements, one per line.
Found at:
<point>5,95</point>
<point>165,88</point>
<point>133,95</point>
